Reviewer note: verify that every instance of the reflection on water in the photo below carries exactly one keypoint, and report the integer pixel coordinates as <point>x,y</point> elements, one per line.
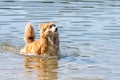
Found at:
<point>45,68</point>
<point>89,39</point>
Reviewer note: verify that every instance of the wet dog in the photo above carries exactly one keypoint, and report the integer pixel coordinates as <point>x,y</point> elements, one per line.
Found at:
<point>48,43</point>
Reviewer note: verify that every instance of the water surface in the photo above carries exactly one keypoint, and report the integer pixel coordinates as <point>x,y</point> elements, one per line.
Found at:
<point>89,39</point>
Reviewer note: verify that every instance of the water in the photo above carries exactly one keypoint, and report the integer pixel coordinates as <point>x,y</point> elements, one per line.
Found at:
<point>89,39</point>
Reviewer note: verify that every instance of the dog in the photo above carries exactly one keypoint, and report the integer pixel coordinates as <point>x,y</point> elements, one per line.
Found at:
<point>48,44</point>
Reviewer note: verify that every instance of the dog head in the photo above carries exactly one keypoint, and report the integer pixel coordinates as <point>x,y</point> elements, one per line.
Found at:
<point>48,29</point>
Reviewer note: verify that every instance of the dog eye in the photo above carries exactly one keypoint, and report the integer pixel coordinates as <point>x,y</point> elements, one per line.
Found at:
<point>51,26</point>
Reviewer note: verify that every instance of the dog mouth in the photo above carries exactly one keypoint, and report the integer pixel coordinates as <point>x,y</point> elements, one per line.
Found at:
<point>56,29</point>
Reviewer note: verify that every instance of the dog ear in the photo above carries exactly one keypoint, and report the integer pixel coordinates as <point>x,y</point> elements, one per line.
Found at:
<point>40,25</point>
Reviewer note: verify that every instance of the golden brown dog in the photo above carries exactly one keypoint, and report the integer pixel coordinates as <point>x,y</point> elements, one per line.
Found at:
<point>48,43</point>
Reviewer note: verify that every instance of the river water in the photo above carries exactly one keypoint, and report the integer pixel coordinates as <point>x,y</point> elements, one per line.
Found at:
<point>89,39</point>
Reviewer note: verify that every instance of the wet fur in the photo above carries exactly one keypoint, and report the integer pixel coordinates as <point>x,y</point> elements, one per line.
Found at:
<point>47,44</point>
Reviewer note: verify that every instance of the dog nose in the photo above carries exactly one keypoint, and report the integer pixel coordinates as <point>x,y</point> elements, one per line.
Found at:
<point>56,29</point>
